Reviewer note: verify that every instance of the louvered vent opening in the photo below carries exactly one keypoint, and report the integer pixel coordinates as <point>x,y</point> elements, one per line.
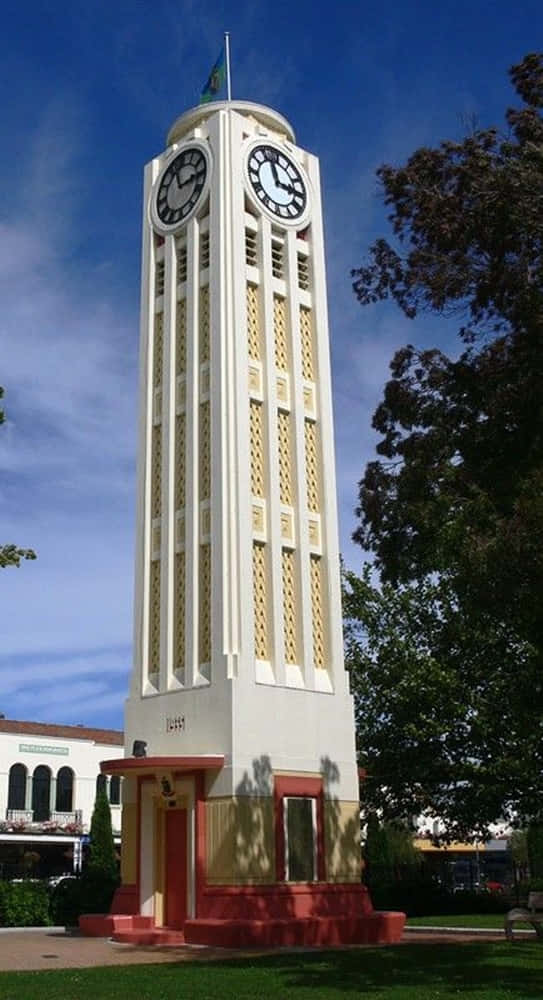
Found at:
<point>204,251</point>
<point>303,271</point>
<point>251,250</point>
<point>278,258</point>
<point>181,254</point>
<point>159,278</point>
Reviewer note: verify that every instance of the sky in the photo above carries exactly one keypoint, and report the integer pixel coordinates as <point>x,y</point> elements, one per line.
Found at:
<point>89,92</point>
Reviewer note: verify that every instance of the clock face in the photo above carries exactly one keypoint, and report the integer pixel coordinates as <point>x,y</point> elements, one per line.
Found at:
<point>180,187</point>
<point>277,183</point>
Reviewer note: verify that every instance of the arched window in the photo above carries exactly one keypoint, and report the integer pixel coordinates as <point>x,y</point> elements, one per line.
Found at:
<point>17,787</point>
<point>115,790</point>
<point>65,788</point>
<point>101,783</point>
<point>41,793</point>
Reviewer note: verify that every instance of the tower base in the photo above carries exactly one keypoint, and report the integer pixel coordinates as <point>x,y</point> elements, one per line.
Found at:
<point>307,915</point>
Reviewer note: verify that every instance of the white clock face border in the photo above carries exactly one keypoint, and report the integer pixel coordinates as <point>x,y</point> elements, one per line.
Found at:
<point>277,183</point>
<point>180,187</point>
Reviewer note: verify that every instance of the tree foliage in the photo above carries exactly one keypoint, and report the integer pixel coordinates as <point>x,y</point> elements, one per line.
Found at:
<point>11,555</point>
<point>458,487</point>
<point>449,671</point>
<point>102,861</point>
<point>448,719</point>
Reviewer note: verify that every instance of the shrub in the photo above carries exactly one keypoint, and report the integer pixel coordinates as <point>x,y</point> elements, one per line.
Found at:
<point>102,863</point>
<point>24,904</point>
<point>74,896</point>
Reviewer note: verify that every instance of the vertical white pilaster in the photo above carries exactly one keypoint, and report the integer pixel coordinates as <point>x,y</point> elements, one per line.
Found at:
<point>167,554</point>
<point>273,506</point>
<point>192,508</point>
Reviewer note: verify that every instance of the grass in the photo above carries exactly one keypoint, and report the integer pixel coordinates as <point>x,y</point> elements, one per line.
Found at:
<point>479,971</point>
<point>482,920</point>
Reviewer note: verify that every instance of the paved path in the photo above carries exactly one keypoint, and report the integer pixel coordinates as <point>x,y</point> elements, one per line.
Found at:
<point>55,949</point>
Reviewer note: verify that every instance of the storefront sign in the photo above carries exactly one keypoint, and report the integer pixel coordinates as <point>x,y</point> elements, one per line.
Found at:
<point>34,748</point>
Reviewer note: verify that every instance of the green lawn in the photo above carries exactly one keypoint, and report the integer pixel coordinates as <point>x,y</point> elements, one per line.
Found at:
<point>479,971</point>
<point>491,920</point>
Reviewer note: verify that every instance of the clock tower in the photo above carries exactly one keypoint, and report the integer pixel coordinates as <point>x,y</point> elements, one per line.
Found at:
<point>240,783</point>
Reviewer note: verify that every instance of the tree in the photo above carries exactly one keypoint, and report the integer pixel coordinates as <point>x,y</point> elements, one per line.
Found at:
<point>452,509</point>
<point>458,487</point>
<point>102,861</point>
<point>11,555</point>
<point>445,721</point>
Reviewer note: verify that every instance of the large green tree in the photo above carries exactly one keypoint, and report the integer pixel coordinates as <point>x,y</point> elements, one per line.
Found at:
<point>446,719</point>
<point>452,509</point>
<point>458,486</point>
<point>11,555</point>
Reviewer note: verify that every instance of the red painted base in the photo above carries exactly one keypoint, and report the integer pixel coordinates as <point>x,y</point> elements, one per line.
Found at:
<point>309,915</point>
<point>108,924</point>
<point>310,932</point>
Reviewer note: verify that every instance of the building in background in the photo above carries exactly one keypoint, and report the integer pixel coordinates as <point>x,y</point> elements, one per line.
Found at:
<point>49,776</point>
<point>240,803</point>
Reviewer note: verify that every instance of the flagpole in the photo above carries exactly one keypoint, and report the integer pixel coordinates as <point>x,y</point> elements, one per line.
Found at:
<point>227,54</point>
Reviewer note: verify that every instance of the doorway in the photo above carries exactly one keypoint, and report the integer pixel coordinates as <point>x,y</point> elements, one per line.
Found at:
<point>175,868</point>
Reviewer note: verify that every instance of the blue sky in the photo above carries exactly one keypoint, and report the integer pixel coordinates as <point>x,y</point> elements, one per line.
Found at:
<point>89,91</point>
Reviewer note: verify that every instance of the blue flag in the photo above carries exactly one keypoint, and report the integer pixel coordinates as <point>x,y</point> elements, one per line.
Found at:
<point>215,80</point>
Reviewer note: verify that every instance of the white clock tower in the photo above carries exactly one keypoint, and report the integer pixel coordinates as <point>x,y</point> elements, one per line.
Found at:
<point>241,813</point>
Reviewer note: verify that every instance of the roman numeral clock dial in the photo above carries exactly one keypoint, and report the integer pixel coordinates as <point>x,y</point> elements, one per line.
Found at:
<point>179,189</point>
<point>278,184</point>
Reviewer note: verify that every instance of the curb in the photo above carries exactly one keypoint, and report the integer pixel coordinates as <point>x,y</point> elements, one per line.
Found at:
<point>33,930</point>
<point>495,931</point>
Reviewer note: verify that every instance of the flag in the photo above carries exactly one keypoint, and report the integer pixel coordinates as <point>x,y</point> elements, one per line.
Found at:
<point>215,80</point>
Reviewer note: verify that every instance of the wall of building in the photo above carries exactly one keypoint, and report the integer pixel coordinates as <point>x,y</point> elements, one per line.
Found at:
<point>57,747</point>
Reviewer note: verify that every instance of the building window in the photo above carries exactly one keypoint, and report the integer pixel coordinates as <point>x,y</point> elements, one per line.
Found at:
<point>115,790</point>
<point>159,278</point>
<point>299,828</point>
<point>278,258</point>
<point>65,788</point>
<point>101,784</point>
<point>17,787</point>
<point>251,248</point>
<point>41,793</point>
<point>300,839</point>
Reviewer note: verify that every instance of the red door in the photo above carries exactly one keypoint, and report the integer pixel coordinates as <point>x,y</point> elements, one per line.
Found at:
<point>176,868</point>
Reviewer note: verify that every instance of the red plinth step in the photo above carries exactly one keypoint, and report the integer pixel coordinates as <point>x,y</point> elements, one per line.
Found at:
<point>379,927</point>
<point>108,924</point>
<point>160,936</point>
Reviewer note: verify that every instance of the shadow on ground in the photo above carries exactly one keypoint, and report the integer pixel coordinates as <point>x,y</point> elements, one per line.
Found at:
<point>491,969</point>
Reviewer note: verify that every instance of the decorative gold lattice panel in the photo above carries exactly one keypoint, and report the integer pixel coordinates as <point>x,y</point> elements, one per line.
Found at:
<point>257,448</point>
<point>289,606</point>
<point>180,425</point>
<point>306,335</point>
<point>285,457</point>
<point>158,349</point>
<point>318,613</point>
<point>312,466</point>
<point>260,600</point>
<point>179,612</point>
<point>181,338</point>
<point>154,619</point>
<point>280,332</point>
<point>204,324</point>
<point>205,451</point>
<point>205,603</point>
<point>156,470</point>
<point>253,322</point>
